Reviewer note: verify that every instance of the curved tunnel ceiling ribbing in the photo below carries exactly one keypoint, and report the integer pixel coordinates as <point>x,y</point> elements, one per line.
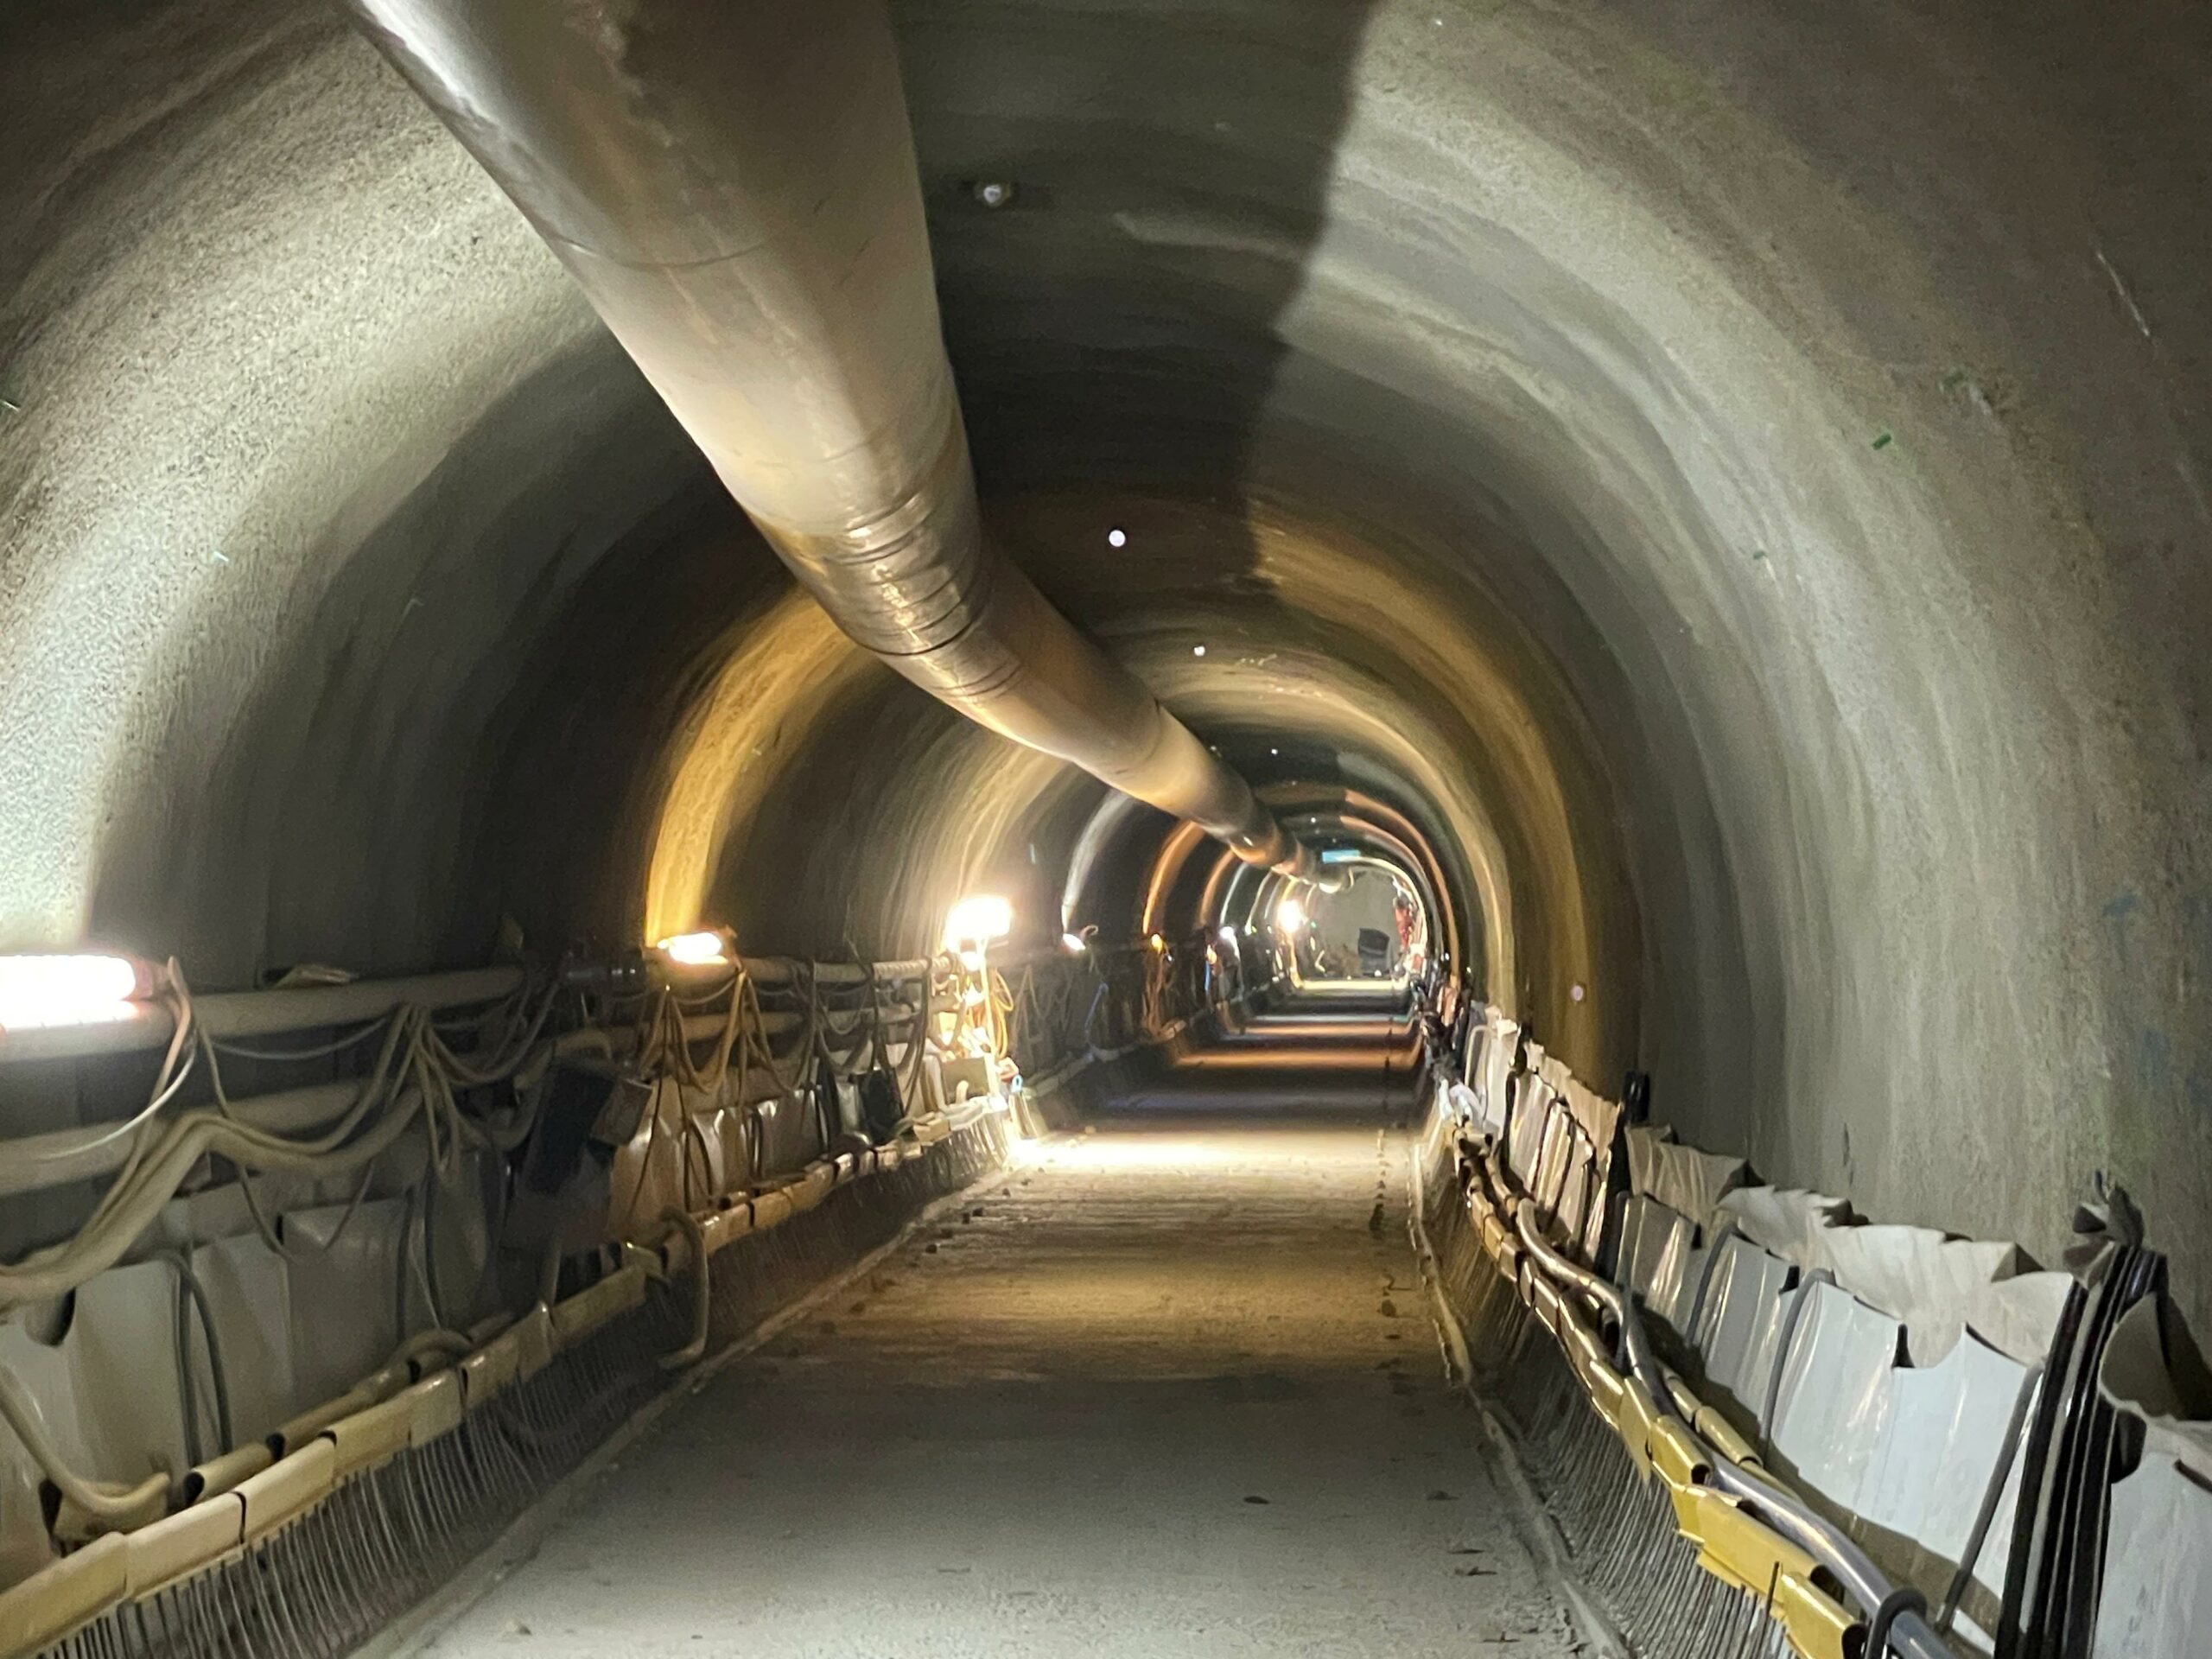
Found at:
<point>1792,500</point>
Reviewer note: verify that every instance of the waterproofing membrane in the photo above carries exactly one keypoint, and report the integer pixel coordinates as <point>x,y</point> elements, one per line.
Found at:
<point>1932,1467</point>
<point>107,1393</point>
<point>1681,1177</point>
<point>1936,1286</point>
<point>250,1294</point>
<point>1656,1251</point>
<point>1740,1326</point>
<point>1834,1405</point>
<point>345,1292</point>
<point>2157,1598</point>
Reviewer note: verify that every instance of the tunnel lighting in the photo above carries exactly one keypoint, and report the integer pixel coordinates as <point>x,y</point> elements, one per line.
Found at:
<point>1228,936</point>
<point>977,919</point>
<point>1157,943</point>
<point>76,991</point>
<point>1339,854</point>
<point>702,949</point>
<point>1197,651</point>
<point>1074,944</point>
<point>1290,915</point>
<point>1117,536</point>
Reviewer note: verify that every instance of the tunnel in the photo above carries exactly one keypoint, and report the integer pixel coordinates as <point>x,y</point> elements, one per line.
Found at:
<point>1643,1086</point>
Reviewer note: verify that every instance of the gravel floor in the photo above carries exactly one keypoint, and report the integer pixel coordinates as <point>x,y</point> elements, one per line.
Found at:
<point>1170,1388</point>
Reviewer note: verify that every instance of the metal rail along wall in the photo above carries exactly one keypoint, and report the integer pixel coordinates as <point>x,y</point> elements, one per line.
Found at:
<point>1861,1437</point>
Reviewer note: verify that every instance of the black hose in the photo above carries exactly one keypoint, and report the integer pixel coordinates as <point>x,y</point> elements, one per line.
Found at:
<point>190,1289</point>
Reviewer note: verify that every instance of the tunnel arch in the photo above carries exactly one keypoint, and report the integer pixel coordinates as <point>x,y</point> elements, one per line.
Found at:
<point>1769,558</point>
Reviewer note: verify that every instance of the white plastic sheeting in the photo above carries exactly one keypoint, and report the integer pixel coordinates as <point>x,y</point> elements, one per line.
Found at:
<point>1681,1177</point>
<point>106,1388</point>
<point>1902,1376</point>
<point>1932,1468</point>
<point>1739,1328</point>
<point>1784,1220</point>
<point>1656,1253</point>
<point>1835,1407</point>
<point>344,1294</point>
<point>2158,1585</point>
<point>249,1293</point>
<point>1937,1286</point>
<point>2158,1590</point>
<point>1527,1115</point>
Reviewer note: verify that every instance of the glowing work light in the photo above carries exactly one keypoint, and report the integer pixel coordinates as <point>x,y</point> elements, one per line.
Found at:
<point>75,990</point>
<point>977,919</point>
<point>700,950</point>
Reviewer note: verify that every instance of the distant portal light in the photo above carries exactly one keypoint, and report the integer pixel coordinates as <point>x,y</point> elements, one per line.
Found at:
<point>1339,855</point>
<point>977,919</point>
<point>1197,651</point>
<point>1290,915</point>
<point>1117,536</point>
<point>700,950</point>
<point>75,990</point>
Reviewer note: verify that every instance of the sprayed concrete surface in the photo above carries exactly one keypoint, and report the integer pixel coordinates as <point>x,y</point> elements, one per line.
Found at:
<point>1170,1388</point>
<point>1734,476</point>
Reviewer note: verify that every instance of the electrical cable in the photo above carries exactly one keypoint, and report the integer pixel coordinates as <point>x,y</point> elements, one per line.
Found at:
<point>191,1295</point>
<point>101,1500</point>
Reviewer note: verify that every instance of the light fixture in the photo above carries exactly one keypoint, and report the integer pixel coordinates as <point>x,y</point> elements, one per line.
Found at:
<point>1117,536</point>
<point>1228,936</point>
<point>1157,943</point>
<point>977,919</point>
<point>704,949</point>
<point>1340,855</point>
<point>1197,651</point>
<point>1290,915</point>
<point>75,990</point>
<point>1074,944</point>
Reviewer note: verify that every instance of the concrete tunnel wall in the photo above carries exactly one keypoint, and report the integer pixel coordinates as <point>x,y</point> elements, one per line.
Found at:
<point>1735,475</point>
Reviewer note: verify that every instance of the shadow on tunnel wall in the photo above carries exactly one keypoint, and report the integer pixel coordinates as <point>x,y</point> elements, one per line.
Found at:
<point>454,730</point>
<point>1114,319</point>
<point>1124,206</point>
<point>1120,209</point>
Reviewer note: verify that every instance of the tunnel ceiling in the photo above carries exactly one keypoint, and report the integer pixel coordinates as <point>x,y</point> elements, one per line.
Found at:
<point>1734,477</point>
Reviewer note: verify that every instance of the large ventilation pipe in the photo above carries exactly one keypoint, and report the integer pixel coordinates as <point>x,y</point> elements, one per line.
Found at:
<point>733,187</point>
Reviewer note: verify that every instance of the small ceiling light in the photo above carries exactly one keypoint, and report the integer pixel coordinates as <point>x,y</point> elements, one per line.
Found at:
<point>1576,993</point>
<point>702,949</point>
<point>1275,751</point>
<point>1290,915</point>
<point>993,193</point>
<point>977,919</point>
<point>1197,651</point>
<point>78,990</point>
<point>1117,536</point>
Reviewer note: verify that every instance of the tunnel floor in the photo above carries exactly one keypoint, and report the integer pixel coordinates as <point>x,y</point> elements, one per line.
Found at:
<point>1171,1385</point>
